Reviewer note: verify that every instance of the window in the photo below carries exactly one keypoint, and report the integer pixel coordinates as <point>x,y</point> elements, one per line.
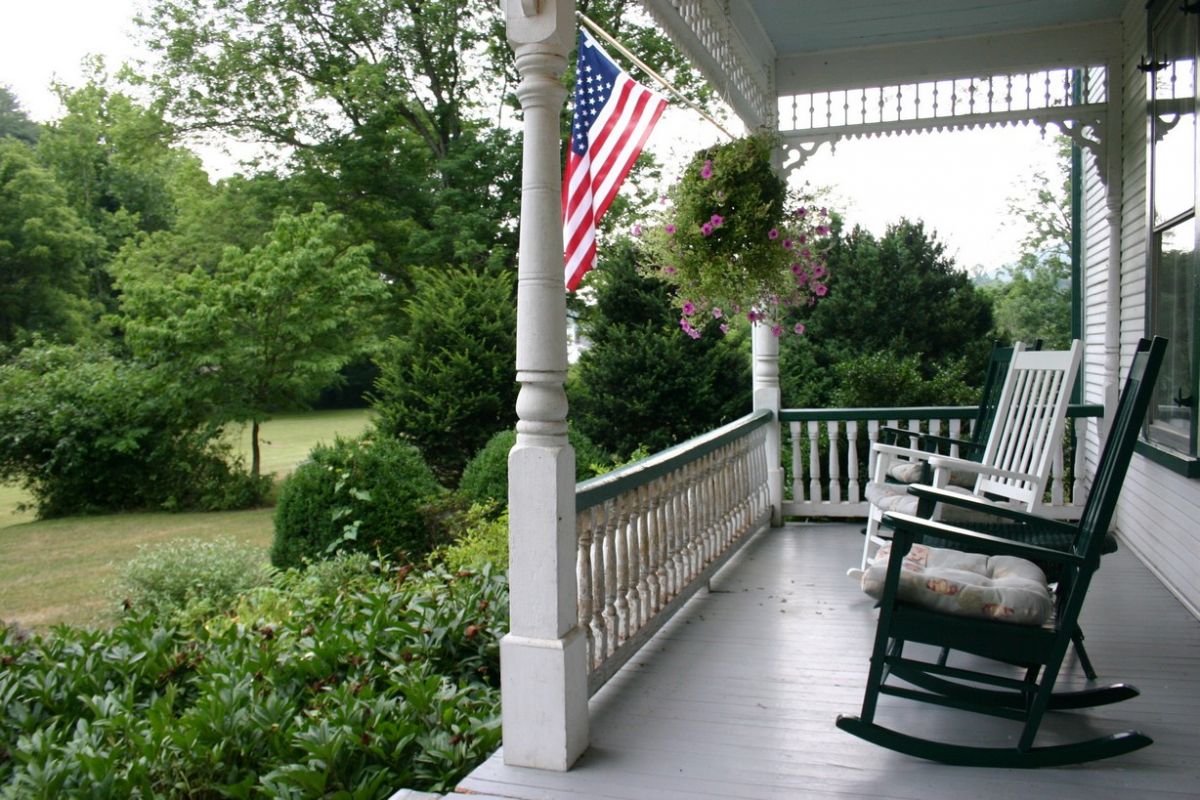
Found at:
<point>1171,424</point>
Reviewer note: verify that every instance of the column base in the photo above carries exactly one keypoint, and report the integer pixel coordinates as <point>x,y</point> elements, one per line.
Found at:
<point>545,712</point>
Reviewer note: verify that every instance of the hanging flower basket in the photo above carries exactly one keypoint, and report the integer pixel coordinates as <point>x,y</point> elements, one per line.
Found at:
<point>730,243</point>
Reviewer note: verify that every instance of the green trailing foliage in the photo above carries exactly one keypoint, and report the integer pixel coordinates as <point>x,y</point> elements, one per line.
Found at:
<point>447,384</point>
<point>369,494</point>
<point>346,680</point>
<point>485,478</point>
<point>85,432</point>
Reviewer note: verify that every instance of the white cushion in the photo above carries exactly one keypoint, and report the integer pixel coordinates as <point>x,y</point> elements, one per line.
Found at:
<point>1000,588</point>
<point>891,497</point>
<point>906,471</point>
<point>911,472</point>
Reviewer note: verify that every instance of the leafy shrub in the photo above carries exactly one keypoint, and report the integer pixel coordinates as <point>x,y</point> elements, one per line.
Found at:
<point>446,382</point>
<point>485,478</point>
<point>86,432</point>
<point>300,694</point>
<point>165,579</point>
<point>876,380</point>
<point>483,541</point>
<point>363,494</point>
<point>643,382</point>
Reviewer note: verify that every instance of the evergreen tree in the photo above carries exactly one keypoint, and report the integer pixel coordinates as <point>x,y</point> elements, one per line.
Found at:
<point>643,382</point>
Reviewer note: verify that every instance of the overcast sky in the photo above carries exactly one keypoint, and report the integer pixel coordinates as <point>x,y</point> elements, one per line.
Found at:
<point>959,183</point>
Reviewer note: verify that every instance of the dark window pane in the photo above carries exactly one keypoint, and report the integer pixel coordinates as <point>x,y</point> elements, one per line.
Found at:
<point>1174,315</point>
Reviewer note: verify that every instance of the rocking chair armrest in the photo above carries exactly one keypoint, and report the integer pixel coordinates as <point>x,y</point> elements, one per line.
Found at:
<point>907,528</point>
<point>965,465</point>
<point>976,503</point>
<point>949,441</point>
<point>899,450</point>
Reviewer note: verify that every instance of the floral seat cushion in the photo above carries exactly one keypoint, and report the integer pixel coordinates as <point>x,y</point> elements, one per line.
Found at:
<point>1002,588</point>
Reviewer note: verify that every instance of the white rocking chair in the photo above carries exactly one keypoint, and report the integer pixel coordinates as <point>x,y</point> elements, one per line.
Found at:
<point>1030,417</point>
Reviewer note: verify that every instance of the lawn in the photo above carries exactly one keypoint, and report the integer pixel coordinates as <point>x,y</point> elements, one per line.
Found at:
<point>62,570</point>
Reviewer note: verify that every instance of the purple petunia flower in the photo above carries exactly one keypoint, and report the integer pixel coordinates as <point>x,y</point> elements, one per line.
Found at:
<point>819,270</point>
<point>773,234</point>
<point>669,270</point>
<point>787,244</point>
<point>799,329</point>
<point>689,308</point>
<point>636,230</point>
<point>716,220</point>
<point>706,229</point>
<point>670,229</point>
<point>777,331</point>
<point>822,230</point>
<point>724,328</point>
<point>706,171</point>
<point>801,211</point>
<point>820,289</point>
<point>717,313</point>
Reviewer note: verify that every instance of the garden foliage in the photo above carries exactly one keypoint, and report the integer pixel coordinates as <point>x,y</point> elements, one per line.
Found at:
<point>447,382</point>
<point>485,478</point>
<point>85,432</point>
<point>368,494</point>
<point>338,682</point>
<point>167,578</point>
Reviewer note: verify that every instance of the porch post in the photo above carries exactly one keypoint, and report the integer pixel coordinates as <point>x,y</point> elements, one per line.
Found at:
<point>543,679</point>
<point>766,395</point>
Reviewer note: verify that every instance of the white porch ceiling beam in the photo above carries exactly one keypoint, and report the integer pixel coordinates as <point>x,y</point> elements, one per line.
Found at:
<point>1024,51</point>
<point>724,41</point>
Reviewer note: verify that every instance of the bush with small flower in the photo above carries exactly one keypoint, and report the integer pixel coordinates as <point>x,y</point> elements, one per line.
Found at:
<point>730,243</point>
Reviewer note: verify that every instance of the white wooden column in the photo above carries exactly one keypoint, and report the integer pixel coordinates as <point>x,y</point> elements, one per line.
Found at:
<point>766,395</point>
<point>543,657</point>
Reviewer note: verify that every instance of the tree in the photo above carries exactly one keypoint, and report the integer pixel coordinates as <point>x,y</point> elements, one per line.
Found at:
<point>14,121</point>
<point>44,250</point>
<point>446,382</point>
<point>643,382</point>
<point>1034,302</point>
<point>267,329</point>
<point>900,295</point>
<point>384,109</point>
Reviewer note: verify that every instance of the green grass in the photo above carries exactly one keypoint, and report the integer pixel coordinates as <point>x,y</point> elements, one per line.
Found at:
<point>62,570</point>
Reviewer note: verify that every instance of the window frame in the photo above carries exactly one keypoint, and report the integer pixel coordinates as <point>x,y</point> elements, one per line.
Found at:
<point>1161,444</point>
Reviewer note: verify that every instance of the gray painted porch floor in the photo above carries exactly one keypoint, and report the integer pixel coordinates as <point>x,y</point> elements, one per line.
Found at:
<point>737,696</point>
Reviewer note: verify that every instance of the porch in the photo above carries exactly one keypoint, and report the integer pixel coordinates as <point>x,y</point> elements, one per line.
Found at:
<point>736,696</point>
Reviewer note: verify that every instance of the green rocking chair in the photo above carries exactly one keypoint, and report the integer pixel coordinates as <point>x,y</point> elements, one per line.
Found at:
<point>919,607</point>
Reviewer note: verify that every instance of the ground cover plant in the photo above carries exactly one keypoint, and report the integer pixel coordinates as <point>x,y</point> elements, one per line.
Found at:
<point>343,680</point>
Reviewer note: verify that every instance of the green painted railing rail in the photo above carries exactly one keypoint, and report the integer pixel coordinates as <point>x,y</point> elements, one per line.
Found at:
<point>595,491</point>
<point>922,413</point>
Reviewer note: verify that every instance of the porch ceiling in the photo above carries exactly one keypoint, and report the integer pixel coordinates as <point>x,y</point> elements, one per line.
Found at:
<point>823,25</point>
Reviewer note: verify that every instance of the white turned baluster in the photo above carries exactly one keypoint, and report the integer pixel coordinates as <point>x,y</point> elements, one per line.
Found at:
<point>814,462</point>
<point>585,525</point>
<point>600,581</point>
<point>1056,474</point>
<point>620,541</point>
<point>852,461</point>
<point>678,531</point>
<point>835,466</point>
<point>612,621</point>
<point>797,465</point>
<point>955,433</point>
<point>645,591</point>
<point>872,438</point>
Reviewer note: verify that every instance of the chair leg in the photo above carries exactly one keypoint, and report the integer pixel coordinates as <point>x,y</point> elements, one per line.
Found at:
<point>871,537</point>
<point>1084,661</point>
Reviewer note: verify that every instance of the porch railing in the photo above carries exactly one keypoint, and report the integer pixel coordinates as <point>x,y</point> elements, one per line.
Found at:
<point>826,465</point>
<point>652,533</point>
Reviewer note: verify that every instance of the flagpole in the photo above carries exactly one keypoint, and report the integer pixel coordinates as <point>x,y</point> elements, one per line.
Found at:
<point>603,34</point>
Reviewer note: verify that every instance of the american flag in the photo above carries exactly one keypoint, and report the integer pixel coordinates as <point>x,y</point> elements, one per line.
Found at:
<point>614,115</point>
